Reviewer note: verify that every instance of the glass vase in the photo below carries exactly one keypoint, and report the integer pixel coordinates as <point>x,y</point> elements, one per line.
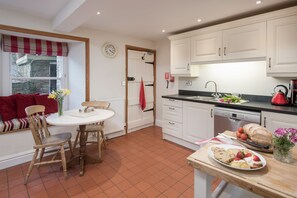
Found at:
<point>60,106</point>
<point>283,154</point>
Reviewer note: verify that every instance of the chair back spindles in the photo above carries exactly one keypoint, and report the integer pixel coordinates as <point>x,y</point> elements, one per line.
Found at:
<point>37,123</point>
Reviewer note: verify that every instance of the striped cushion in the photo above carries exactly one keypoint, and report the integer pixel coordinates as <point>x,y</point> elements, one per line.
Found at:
<point>14,124</point>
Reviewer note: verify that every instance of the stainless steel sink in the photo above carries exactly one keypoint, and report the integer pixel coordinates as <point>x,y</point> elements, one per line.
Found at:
<point>201,97</point>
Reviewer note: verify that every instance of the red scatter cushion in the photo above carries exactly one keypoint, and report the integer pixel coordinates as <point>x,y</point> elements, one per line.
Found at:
<point>23,101</point>
<point>8,109</point>
<point>51,105</point>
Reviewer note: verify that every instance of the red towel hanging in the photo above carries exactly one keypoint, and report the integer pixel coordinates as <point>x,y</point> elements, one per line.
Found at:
<point>142,101</point>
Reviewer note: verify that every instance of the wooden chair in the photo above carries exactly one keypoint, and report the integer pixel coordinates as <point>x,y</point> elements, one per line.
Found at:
<point>96,129</point>
<point>43,139</point>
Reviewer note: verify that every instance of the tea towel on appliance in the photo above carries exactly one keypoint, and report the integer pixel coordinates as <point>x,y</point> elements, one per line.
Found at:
<point>142,101</point>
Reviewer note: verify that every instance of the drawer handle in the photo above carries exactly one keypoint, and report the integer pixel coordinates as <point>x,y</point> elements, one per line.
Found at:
<point>171,108</point>
<point>171,100</point>
<point>172,123</point>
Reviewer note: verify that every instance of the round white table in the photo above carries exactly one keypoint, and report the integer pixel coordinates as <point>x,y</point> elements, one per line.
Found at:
<point>81,119</point>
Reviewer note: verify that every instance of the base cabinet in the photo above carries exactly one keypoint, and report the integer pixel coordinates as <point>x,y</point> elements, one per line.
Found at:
<point>198,121</point>
<point>186,122</point>
<point>273,121</point>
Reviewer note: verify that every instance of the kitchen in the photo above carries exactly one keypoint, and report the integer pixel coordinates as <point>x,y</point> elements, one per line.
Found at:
<point>247,76</point>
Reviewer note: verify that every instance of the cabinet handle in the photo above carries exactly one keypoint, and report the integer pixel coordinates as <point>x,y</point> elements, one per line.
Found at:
<point>188,67</point>
<point>171,108</point>
<point>211,113</point>
<point>264,122</point>
<point>171,100</point>
<point>219,51</point>
<point>269,63</point>
<point>224,51</point>
<point>172,123</point>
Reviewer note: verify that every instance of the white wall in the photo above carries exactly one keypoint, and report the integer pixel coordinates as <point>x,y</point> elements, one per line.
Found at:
<point>106,76</point>
<point>163,65</point>
<point>76,75</point>
<point>237,77</point>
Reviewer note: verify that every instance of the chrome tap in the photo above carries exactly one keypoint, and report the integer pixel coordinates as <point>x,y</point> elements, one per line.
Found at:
<point>216,94</point>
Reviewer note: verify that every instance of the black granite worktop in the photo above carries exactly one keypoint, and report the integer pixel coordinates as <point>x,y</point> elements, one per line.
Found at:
<point>256,103</point>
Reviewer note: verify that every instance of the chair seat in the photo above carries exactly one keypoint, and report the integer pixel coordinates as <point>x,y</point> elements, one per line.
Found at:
<point>57,138</point>
<point>93,128</point>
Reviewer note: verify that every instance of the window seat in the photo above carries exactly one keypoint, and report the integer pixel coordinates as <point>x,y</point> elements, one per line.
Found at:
<point>14,125</point>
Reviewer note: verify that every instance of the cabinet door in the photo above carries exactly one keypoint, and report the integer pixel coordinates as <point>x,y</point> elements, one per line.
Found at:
<point>180,56</point>
<point>206,47</point>
<point>198,121</point>
<point>273,121</point>
<point>245,42</point>
<point>282,47</point>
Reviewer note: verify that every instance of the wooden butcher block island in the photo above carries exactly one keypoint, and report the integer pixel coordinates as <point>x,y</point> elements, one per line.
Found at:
<point>276,179</point>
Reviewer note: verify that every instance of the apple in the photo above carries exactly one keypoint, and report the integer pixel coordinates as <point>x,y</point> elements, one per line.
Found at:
<point>243,136</point>
<point>240,130</point>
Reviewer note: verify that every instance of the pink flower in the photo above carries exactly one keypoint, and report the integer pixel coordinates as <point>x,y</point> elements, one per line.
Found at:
<point>280,132</point>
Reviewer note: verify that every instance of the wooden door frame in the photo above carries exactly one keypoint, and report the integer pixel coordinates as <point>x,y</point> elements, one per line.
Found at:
<point>130,47</point>
<point>60,36</point>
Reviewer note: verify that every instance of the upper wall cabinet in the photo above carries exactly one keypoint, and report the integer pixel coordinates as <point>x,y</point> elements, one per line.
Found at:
<point>282,47</point>
<point>206,47</point>
<point>181,58</point>
<point>243,42</point>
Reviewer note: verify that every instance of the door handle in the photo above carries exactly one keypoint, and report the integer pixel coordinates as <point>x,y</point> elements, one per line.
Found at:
<point>269,63</point>
<point>219,51</point>
<point>211,113</point>
<point>224,51</point>
<point>188,67</point>
<point>130,78</point>
<point>264,122</point>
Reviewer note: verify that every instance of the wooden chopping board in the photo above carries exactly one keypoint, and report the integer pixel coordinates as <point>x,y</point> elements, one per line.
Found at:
<point>242,142</point>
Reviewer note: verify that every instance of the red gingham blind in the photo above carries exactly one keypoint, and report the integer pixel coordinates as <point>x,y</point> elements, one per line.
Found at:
<point>33,46</point>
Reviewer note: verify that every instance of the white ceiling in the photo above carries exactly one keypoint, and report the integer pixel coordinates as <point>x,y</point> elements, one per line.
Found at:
<point>138,18</point>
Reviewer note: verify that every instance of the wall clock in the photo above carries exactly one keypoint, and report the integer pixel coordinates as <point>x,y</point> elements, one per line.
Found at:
<point>109,50</point>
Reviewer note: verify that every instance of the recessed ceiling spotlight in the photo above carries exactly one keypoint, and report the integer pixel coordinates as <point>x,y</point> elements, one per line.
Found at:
<point>199,20</point>
<point>163,31</point>
<point>98,13</point>
<point>258,2</point>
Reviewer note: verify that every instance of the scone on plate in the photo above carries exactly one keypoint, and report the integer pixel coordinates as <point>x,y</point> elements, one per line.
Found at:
<point>222,155</point>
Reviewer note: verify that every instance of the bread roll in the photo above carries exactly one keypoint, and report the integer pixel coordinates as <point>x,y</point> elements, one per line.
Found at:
<point>258,134</point>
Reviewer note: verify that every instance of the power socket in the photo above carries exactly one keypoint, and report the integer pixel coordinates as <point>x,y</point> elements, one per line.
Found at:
<point>189,83</point>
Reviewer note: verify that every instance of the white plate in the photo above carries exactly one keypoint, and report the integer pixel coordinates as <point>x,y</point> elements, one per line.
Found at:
<point>227,146</point>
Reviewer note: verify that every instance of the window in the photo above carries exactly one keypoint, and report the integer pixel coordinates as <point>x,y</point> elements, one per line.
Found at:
<point>36,73</point>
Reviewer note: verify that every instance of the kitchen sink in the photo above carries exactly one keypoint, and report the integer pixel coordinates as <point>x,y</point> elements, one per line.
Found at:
<point>201,97</point>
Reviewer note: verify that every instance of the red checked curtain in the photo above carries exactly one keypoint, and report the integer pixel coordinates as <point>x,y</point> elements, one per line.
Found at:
<point>33,46</point>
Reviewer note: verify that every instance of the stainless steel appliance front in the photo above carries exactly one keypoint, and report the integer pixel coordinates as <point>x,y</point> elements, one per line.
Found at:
<point>232,119</point>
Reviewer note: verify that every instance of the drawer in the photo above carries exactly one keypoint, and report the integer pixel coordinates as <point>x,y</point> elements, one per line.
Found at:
<point>172,128</point>
<point>172,102</point>
<point>172,113</point>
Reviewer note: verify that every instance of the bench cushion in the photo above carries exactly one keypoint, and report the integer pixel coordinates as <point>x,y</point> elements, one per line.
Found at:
<point>8,109</point>
<point>14,124</point>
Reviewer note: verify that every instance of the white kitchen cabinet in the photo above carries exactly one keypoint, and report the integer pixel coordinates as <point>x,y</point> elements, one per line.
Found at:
<point>198,121</point>
<point>282,47</point>
<point>273,121</point>
<point>243,42</point>
<point>206,47</point>
<point>180,56</point>
<point>172,117</point>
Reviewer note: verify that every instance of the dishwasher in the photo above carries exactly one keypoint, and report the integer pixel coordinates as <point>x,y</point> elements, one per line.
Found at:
<point>232,119</point>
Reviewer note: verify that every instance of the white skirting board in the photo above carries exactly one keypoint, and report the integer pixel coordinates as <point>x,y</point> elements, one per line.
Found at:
<point>159,123</point>
<point>181,142</point>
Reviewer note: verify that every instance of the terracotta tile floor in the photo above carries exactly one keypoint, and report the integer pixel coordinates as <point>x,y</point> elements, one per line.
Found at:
<point>140,164</point>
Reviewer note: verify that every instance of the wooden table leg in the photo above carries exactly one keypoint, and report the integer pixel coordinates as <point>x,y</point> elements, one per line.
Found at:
<point>82,149</point>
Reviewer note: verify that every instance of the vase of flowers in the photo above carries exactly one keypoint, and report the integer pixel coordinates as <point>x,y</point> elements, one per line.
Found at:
<point>59,95</point>
<point>283,141</point>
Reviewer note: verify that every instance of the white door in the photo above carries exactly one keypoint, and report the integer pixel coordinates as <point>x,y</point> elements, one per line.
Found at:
<point>180,56</point>
<point>248,41</point>
<point>206,47</point>
<point>273,121</point>
<point>282,47</point>
<point>140,66</point>
<point>198,121</point>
